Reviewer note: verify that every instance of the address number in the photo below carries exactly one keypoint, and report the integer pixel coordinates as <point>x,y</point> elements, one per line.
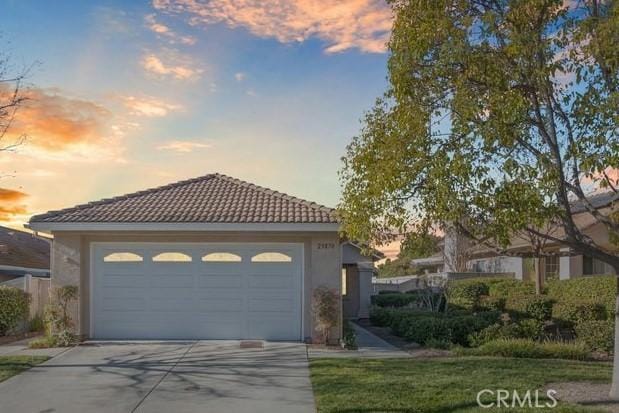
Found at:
<point>326,245</point>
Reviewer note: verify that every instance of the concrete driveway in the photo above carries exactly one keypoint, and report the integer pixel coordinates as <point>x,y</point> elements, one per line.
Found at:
<point>202,376</point>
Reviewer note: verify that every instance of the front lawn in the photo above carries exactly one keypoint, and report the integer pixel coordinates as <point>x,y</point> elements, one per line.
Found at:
<point>12,365</point>
<point>439,385</point>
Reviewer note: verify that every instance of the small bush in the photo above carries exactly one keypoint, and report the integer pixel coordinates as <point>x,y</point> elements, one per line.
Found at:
<point>325,306</point>
<point>60,324</point>
<point>527,329</point>
<point>507,287</point>
<point>524,348</point>
<point>14,307</point>
<point>493,303</point>
<point>597,289</point>
<point>467,294</point>
<point>381,317</point>
<point>395,300</point>
<point>572,313</point>
<point>454,329</point>
<point>349,337</point>
<point>439,344</point>
<point>597,335</point>
<point>537,307</point>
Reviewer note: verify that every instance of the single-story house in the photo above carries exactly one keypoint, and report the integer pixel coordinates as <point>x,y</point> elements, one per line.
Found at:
<point>22,253</point>
<point>207,258</point>
<point>559,261</point>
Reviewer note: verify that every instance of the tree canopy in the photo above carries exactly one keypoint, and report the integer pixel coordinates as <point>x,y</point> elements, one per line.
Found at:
<point>498,116</point>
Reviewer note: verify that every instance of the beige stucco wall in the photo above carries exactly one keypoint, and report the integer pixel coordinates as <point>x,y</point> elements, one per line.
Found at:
<point>70,262</point>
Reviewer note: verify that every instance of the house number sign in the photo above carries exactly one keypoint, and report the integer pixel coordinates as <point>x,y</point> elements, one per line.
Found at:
<point>326,245</point>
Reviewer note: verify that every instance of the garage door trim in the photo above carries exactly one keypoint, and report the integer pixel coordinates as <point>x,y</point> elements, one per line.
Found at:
<point>92,264</point>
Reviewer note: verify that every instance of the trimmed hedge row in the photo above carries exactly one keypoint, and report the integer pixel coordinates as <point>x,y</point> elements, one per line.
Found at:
<point>525,348</point>
<point>14,307</point>
<point>395,299</point>
<point>422,326</point>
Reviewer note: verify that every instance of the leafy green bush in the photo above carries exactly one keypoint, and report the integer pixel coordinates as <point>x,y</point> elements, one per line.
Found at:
<point>394,299</point>
<point>527,329</point>
<point>454,329</point>
<point>571,313</point>
<point>380,316</point>
<point>36,323</point>
<point>467,294</point>
<point>57,315</point>
<point>507,287</point>
<point>537,307</point>
<point>525,348</point>
<point>596,335</point>
<point>597,289</point>
<point>493,303</point>
<point>14,307</point>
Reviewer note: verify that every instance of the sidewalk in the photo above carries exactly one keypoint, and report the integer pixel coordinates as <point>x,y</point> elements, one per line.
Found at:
<point>369,346</point>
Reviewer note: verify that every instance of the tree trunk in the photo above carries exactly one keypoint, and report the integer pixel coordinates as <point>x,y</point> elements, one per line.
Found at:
<point>539,278</point>
<point>614,388</point>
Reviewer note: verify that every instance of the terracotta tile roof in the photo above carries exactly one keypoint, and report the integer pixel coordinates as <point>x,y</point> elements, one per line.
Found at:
<point>213,198</point>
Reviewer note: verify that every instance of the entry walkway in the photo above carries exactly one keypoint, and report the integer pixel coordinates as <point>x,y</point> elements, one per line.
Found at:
<point>369,345</point>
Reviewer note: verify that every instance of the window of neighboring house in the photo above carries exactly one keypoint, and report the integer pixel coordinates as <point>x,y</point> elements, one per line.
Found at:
<point>122,257</point>
<point>171,257</point>
<point>271,257</point>
<point>551,269</point>
<point>592,266</point>
<point>221,257</point>
<point>343,281</point>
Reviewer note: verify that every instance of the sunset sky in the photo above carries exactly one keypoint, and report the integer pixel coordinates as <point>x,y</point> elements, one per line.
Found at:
<point>128,95</point>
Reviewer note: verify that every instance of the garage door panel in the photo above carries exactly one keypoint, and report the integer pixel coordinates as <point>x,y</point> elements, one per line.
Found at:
<point>222,296</point>
<point>278,282</point>
<point>124,280</point>
<point>124,304</point>
<point>220,280</point>
<point>172,280</point>
<point>271,304</point>
<point>221,305</point>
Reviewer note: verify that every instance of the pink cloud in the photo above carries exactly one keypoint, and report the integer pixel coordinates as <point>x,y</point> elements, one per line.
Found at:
<point>180,71</point>
<point>343,25</point>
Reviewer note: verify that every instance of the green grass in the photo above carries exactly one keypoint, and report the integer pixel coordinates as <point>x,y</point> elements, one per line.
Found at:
<point>12,365</point>
<point>439,385</point>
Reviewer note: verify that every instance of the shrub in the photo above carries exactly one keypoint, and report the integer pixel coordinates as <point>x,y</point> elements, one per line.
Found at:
<point>454,329</point>
<point>349,337</point>
<point>14,307</point>
<point>525,348</point>
<point>394,300</point>
<point>528,329</point>
<point>598,289</point>
<point>493,303</point>
<point>467,293</point>
<point>572,313</point>
<point>539,308</point>
<point>381,317</point>
<point>596,335</point>
<point>326,305</point>
<point>507,287</point>
<point>57,315</point>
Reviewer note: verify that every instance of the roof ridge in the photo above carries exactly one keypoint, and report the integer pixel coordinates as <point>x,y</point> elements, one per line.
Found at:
<point>104,201</point>
<point>273,192</point>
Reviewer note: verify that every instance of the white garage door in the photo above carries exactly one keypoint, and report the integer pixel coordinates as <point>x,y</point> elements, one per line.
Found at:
<point>196,291</point>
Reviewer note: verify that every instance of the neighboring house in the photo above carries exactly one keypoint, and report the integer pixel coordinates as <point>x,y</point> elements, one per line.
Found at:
<point>559,262</point>
<point>206,258</point>
<point>22,253</point>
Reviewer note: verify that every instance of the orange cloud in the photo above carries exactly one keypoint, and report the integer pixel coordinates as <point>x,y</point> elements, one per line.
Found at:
<point>180,71</point>
<point>344,24</point>
<point>53,122</point>
<point>10,204</point>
